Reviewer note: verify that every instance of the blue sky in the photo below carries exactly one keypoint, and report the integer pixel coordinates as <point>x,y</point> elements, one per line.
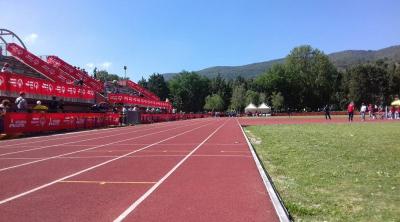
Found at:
<point>174,35</point>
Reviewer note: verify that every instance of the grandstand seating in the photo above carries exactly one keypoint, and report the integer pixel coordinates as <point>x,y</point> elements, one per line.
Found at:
<point>20,68</point>
<point>36,63</point>
<point>38,72</point>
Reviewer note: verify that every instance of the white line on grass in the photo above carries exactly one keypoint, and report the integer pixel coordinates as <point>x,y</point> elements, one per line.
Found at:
<point>87,149</point>
<point>153,188</point>
<point>93,167</point>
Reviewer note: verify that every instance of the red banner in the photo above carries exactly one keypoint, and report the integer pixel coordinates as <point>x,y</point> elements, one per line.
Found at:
<point>44,122</point>
<point>77,74</point>
<point>135,100</point>
<point>140,89</point>
<point>16,83</point>
<point>54,74</point>
<point>151,118</point>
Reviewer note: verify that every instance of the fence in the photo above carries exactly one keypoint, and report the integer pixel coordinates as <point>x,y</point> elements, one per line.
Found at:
<point>45,122</point>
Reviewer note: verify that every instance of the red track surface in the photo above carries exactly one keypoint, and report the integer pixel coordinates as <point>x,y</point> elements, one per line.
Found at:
<point>195,170</point>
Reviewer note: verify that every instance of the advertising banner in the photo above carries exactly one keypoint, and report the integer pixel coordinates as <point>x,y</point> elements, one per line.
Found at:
<point>45,122</point>
<point>16,83</point>
<point>135,100</point>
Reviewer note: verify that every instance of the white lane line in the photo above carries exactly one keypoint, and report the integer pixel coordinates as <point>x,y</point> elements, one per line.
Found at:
<point>61,144</point>
<point>86,132</point>
<point>278,206</point>
<point>64,136</point>
<point>78,151</point>
<point>153,188</point>
<point>81,134</point>
<point>94,167</point>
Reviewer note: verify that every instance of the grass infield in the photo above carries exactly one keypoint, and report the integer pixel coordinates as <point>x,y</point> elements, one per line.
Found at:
<point>333,172</point>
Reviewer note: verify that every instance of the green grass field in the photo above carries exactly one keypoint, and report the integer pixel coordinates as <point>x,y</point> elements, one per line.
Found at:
<point>334,172</point>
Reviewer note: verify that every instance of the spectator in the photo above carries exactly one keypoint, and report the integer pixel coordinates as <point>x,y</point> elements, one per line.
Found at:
<point>124,115</point>
<point>350,111</point>
<point>327,110</point>
<point>4,106</point>
<point>61,105</point>
<point>370,110</point>
<point>21,102</point>
<point>39,107</point>
<point>53,105</point>
<point>363,110</point>
<point>6,68</point>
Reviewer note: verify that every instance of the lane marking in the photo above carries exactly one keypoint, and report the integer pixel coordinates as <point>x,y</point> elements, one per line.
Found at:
<point>106,182</point>
<point>233,151</point>
<point>135,204</point>
<point>186,144</point>
<point>84,132</point>
<point>78,151</point>
<point>88,133</point>
<point>274,197</point>
<point>62,144</point>
<point>93,167</point>
<point>135,156</point>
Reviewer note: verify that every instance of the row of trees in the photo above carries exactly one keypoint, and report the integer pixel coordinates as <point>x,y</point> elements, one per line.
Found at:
<point>306,80</point>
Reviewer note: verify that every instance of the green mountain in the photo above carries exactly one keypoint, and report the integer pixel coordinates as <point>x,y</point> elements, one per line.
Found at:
<point>342,60</point>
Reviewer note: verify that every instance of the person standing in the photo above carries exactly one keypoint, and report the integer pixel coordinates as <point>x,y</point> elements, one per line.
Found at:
<point>61,105</point>
<point>21,102</point>
<point>4,106</point>
<point>327,110</point>
<point>6,68</point>
<point>39,108</point>
<point>350,111</point>
<point>53,105</point>
<point>370,110</point>
<point>363,110</point>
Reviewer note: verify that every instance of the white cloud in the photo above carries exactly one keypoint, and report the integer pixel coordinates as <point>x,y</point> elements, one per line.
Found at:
<point>31,38</point>
<point>90,66</point>
<point>105,65</point>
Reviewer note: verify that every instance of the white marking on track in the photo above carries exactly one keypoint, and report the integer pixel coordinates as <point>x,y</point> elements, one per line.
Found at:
<point>93,167</point>
<point>153,188</point>
<point>78,151</point>
<point>280,211</point>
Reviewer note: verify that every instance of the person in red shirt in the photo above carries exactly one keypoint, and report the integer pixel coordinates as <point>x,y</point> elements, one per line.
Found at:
<point>370,110</point>
<point>350,111</point>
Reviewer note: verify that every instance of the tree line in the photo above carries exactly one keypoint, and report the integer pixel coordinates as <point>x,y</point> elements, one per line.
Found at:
<point>307,80</point>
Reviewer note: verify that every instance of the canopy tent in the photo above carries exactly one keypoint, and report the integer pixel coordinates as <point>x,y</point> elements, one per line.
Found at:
<point>396,103</point>
<point>251,108</point>
<point>263,108</point>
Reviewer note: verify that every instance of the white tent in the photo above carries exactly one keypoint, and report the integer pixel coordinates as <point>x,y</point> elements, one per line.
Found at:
<point>263,108</point>
<point>251,108</point>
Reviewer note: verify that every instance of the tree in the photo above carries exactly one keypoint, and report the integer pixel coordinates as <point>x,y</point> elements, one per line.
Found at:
<point>262,98</point>
<point>214,103</point>
<point>188,91</point>
<point>143,82</point>
<point>158,86</point>
<point>368,83</point>
<point>238,98</point>
<point>104,75</point>
<point>252,97</point>
<point>312,77</point>
<point>220,86</point>
<point>277,101</point>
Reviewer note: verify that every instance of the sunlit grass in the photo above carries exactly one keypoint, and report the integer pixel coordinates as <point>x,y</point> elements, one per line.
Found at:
<point>334,172</point>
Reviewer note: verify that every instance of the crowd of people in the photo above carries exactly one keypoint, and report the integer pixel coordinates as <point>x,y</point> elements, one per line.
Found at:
<point>21,105</point>
<point>373,111</point>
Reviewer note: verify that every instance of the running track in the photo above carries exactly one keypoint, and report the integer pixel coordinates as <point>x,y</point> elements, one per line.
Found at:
<point>194,170</point>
